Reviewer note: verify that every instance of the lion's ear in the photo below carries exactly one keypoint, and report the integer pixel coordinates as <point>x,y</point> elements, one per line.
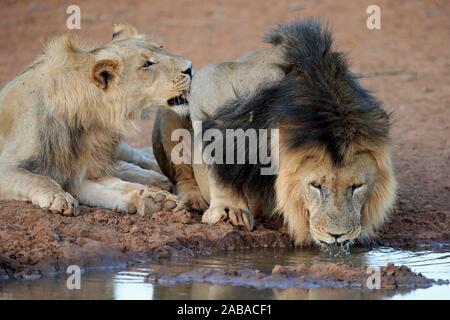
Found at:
<point>105,72</point>
<point>123,31</point>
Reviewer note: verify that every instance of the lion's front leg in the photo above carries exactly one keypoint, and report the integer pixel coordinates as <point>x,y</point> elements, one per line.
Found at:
<point>143,157</point>
<point>21,184</point>
<point>226,205</point>
<point>132,173</point>
<point>121,196</point>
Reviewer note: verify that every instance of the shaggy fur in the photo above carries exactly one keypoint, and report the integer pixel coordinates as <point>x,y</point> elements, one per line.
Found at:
<point>61,146</point>
<point>318,105</point>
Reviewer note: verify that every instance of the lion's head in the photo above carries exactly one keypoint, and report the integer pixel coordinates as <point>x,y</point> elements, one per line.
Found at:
<point>141,72</point>
<point>114,82</point>
<point>329,202</point>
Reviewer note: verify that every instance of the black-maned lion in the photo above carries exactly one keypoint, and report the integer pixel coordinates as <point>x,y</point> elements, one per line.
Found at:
<point>61,121</point>
<point>335,182</point>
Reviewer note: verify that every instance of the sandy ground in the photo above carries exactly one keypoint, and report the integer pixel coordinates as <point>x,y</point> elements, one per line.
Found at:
<point>406,65</point>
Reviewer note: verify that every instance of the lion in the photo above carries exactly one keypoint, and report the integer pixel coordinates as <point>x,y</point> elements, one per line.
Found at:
<point>63,119</point>
<point>335,181</point>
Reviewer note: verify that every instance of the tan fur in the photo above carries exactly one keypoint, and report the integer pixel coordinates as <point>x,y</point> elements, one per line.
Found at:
<point>124,31</point>
<point>62,118</point>
<point>181,175</point>
<point>352,217</point>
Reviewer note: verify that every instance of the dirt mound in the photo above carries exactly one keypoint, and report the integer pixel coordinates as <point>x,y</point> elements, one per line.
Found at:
<point>318,275</point>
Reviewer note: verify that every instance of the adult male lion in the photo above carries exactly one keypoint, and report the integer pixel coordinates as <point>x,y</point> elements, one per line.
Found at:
<point>335,182</point>
<point>61,121</point>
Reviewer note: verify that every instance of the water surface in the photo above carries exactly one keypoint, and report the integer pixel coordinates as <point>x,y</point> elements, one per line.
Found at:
<point>130,284</point>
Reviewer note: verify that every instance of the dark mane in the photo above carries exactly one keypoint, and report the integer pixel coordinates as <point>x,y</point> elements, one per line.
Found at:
<point>322,101</point>
<point>318,102</point>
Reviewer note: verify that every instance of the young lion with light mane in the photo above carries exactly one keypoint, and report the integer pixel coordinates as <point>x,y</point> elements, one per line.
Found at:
<point>62,119</point>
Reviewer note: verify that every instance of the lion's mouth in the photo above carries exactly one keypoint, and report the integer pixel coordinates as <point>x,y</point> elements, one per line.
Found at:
<point>178,101</point>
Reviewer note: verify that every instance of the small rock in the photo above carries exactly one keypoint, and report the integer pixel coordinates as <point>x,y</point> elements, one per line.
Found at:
<point>411,77</point>
<point>232,273</point>
<point>56,237</point>
<point>134,229</point>
<point>277,269</point>
<point>259,276</point>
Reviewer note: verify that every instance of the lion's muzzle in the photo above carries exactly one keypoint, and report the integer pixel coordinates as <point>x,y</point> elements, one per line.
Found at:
<point>324,236</point>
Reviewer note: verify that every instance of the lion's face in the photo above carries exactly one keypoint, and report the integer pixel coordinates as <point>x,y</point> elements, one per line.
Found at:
<point>160,78</point>
<point>325,202</point>
<point>334,196</point>
<point>141,74</point>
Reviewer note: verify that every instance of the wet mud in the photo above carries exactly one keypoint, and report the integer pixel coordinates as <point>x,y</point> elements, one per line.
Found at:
<point>35,243</point>
<point>302,276</point>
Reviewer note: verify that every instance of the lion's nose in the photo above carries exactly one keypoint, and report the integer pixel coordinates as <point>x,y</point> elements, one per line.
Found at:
<point>336,236</point>
<point>188,71</point>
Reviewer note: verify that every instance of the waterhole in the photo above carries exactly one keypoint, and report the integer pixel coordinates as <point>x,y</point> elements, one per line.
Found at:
<point>130,283</point>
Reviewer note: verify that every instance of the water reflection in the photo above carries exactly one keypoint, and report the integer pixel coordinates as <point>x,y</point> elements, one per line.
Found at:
<point>130,284</point>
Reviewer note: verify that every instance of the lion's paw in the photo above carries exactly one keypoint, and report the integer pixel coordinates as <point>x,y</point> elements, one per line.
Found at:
<point>147,200</point>
<point>194,200</point>
<point>156,179</point>
<point>236,216</point>
<point>58,202</point>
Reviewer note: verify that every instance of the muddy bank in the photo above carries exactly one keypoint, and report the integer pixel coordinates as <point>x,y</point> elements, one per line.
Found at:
<point>302,276</point>
<point>416,230</point>
<point>34,242</point>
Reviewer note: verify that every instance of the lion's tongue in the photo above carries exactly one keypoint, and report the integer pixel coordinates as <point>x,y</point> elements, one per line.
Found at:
<point>188,96</point>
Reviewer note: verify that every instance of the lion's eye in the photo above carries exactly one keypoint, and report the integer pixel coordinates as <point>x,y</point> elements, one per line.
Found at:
<point>147,64</point>
<point>356,186</point>
<point>316,185</point>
